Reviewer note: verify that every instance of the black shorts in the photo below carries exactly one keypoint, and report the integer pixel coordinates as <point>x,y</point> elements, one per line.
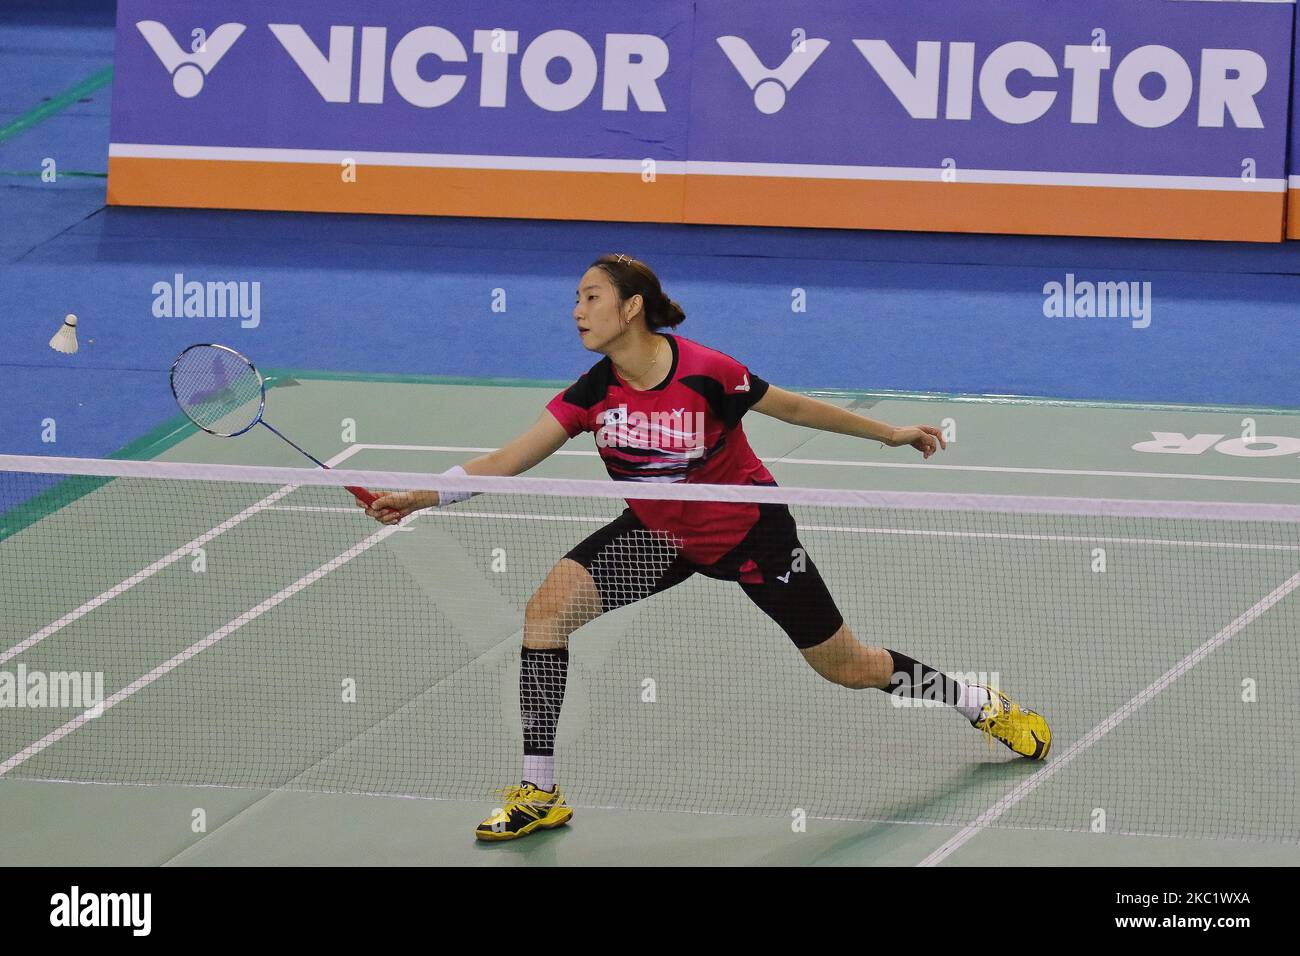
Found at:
<point>629,562</point>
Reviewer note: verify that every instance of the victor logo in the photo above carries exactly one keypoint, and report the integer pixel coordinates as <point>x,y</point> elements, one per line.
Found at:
<point>189,70</point>
<point>946,79</point>
<point>770,86</point>
<point>347,71</point>
<point>927,79</point>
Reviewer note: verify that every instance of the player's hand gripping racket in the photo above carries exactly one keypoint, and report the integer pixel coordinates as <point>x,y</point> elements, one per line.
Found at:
<point>223,393</point>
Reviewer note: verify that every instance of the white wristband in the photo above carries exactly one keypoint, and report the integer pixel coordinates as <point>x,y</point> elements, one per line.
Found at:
<point>451,497</point>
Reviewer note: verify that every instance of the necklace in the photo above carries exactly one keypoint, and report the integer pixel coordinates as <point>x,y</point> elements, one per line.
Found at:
<point>648,369</point>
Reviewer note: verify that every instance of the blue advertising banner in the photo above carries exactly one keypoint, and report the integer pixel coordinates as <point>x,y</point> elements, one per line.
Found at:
<point>1104,118</point>
<point>1166,118</point>
<point>1293,179</point>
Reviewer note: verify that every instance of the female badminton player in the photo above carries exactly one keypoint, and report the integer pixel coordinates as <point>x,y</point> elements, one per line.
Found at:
<point>666,409</point>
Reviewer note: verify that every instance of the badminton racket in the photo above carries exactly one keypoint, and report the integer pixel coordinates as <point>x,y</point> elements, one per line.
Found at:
<point>223,393</point>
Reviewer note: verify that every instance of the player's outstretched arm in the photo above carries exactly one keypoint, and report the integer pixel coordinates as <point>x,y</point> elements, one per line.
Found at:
<point>516,456</point>
<point>530,448</point>
<point>813,413</point>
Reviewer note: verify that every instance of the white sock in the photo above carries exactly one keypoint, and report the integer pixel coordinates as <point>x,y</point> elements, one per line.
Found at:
<point>540,771</point>
<point>971,699</point>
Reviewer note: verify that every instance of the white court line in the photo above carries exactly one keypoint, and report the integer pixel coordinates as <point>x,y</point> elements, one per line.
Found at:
<point>1056,764</point>
<point>998,469</point>
<point>845,529</point>
<point>166,667</point>
<point>142,575</point>
<point>145,573</point>
<point>1069,538</point>
<point>928,466</point>
<point>435,513</point>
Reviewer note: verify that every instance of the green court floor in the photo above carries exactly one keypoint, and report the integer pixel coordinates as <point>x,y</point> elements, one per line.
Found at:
<point>745,756</point>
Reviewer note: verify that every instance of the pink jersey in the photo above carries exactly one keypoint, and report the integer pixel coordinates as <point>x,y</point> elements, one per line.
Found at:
<point>687,428</point>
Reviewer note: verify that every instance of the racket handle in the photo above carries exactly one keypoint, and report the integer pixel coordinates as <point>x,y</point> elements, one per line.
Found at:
<point>368,497</point>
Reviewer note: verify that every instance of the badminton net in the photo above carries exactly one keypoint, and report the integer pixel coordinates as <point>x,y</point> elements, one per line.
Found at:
<point>166,623</point>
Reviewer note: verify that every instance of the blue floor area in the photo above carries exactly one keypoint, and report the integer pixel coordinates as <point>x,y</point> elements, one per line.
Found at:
<point>391,294</point>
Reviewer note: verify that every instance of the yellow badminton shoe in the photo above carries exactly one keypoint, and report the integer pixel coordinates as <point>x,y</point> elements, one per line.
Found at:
<point>1024,731</point>
<point>526,808</point>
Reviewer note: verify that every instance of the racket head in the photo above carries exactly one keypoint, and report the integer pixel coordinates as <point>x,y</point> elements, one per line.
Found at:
<point>218,389</point>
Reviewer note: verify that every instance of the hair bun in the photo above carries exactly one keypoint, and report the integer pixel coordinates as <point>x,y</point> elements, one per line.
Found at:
<point>670,314</point>
<point>633,277</point>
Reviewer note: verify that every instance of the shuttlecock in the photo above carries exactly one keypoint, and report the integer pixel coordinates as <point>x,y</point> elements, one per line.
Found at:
<point>65,340</point>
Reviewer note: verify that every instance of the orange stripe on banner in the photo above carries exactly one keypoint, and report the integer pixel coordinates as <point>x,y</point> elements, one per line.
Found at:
<point>403,190</point>
<point>731,200</point>
<point>980,207</point>
<point>1293,214</point>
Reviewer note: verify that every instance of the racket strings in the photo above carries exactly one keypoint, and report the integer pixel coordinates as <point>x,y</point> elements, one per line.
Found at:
<point>219,390</point>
